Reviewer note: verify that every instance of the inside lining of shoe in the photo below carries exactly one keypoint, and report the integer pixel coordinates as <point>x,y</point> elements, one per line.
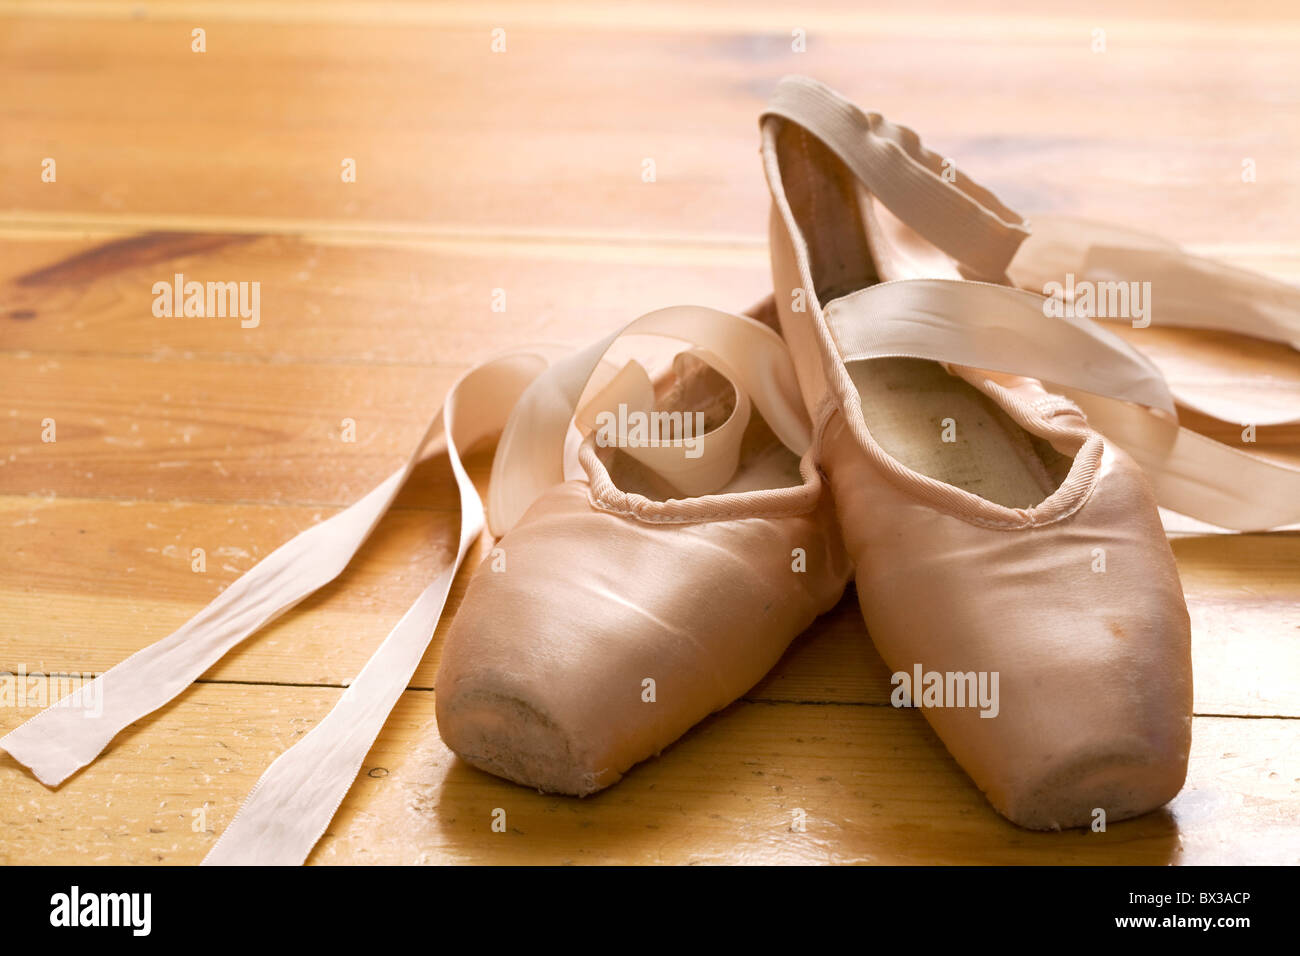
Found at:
<point>765,462</point>
<point>907,402</point>
<point>942,426</point>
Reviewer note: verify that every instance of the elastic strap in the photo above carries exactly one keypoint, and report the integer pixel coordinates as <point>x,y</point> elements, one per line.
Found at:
<point>944,205</point>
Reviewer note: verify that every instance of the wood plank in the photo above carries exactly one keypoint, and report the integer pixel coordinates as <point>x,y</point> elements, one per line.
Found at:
<point>252,129</point>
<point>1243,592</point>
<point>874,783</point>
<point>419,303</point>
<point>138,556</point>
<point>216,431</point>
<point>852,16</point>
<point>239,432</point>
<point>87,583</point>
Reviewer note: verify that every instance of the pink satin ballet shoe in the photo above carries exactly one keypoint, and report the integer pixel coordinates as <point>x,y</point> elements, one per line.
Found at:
<point>1010,561</point>
<point>692,541</point>
<point>649,590</point>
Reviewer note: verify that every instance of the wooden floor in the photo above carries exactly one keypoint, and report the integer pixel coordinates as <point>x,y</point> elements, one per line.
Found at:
<point>522,171</point>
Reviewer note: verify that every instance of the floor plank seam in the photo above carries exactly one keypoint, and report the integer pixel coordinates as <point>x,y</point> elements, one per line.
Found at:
<point>770,701</point>
<point>221,503</point>
<point>21,223</point>
<point>234,358</point>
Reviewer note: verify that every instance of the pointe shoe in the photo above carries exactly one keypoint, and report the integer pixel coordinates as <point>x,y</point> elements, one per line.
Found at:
<point>995,533</point>
<point>651,588</point>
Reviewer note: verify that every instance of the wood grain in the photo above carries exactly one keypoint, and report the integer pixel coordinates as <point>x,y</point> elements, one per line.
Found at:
<point>874,783</point>
<point>419,303</point>
<point>522,172</point>
<point>1242,593</point>
<point>530,140</point>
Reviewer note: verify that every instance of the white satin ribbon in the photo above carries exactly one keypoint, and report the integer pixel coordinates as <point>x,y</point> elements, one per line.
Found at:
<point>1185,291</point>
